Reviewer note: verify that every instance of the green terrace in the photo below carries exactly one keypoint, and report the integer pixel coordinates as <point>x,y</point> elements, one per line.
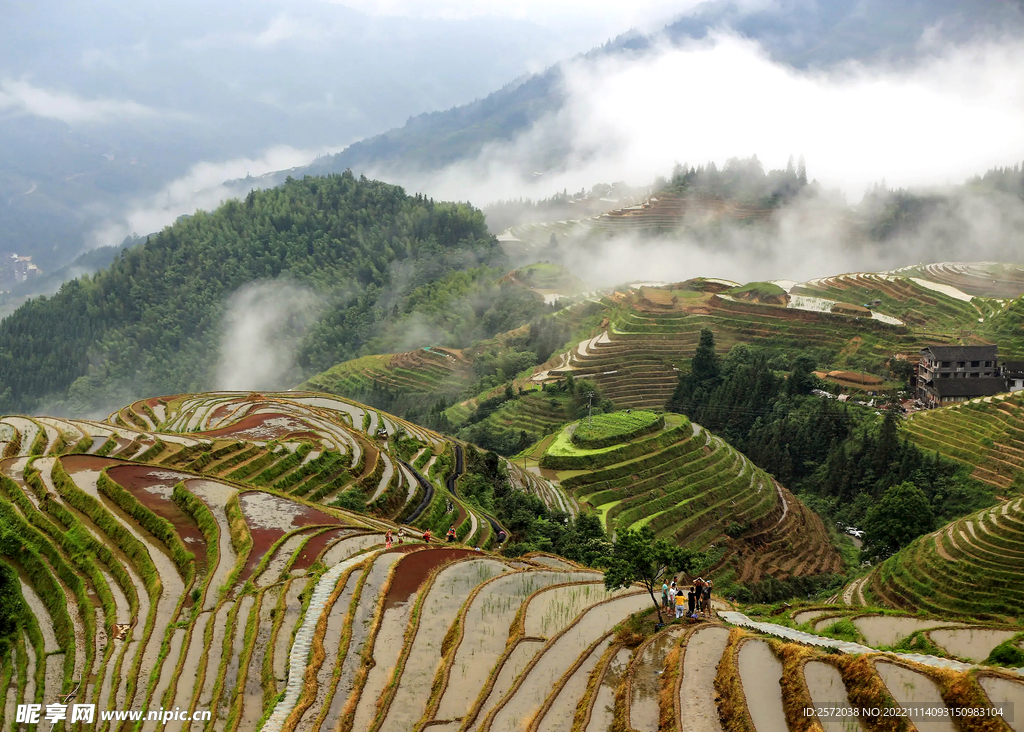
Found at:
<point>987,434</point>
<point>983,552</point>
<point>693,488</point>
<point>404,378</point>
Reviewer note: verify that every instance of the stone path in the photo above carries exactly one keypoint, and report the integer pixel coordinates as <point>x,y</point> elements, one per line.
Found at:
<point>781,631</point>
<point>298,657</point>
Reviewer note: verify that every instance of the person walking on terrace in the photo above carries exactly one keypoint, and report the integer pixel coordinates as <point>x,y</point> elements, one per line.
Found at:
<point>387,539</point>
<point>691,602</point>
<point>664,595</point>
<point>452,536</point>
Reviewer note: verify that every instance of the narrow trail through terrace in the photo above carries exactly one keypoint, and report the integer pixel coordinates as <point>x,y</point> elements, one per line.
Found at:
<point>299,653</point>
<point>781,631</point>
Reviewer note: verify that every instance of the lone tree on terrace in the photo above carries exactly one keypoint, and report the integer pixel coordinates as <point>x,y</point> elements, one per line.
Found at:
<point>638,557</point>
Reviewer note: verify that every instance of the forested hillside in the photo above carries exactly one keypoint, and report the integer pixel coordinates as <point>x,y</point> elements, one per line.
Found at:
<point>367,253</point>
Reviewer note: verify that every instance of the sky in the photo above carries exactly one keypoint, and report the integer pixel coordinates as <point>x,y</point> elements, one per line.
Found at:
<point>610,17</point>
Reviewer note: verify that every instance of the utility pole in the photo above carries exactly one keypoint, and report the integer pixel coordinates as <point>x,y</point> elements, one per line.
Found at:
<point>590,409</point>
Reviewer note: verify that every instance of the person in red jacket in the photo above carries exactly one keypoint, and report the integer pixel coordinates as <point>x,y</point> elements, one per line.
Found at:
<point>451,534</point>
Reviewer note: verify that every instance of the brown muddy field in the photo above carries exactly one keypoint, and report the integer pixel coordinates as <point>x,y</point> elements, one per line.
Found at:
<point>314,548</point>
<point>415,568</point>
<point>264,427</point>
<point>152,488</point>
<point>269,518</point>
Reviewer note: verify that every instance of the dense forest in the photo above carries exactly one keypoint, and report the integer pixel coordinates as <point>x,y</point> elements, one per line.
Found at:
<point>843,460</point>
<point>384,268</point>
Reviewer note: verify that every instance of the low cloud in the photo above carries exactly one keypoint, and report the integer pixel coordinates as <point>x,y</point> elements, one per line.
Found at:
<point>952,114</point>
<point>204,187</point>
<point>264,324</point>
<point>814,236</point>
<point>22,97</point>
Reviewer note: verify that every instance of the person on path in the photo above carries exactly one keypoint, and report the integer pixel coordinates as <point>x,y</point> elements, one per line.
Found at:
<point>680,606</point>
<point>664,595</point>
<point>401,536</point>
<point>671,596</point>
<point>691,602</point>
<point>452,536</point>
<point>707,597</point>
<point>426,536</point>
<point>387,539</point>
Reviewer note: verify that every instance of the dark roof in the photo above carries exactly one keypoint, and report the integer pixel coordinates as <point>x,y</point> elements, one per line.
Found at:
<point>1014,366</point>
<point>982,386</point>
<point>963,353</point>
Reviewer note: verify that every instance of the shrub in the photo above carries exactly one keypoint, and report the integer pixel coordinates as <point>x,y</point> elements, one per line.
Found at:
<point>843,630</point>
<point>1007,653</point>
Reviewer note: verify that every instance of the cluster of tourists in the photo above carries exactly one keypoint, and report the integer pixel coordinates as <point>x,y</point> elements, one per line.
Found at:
<point>389,538</point>
<point>691,602</point>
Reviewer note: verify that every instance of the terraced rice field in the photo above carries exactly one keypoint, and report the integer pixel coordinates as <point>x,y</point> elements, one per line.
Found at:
<point>193,578</point>
<point>406,377</point>
<point>169,583</point>
<point>688,485</point>
<point>536,413</point>
<point>987,434</point>
<point>970,567</point>
<point>705,677</point>
<point>913,301</point>
<point>636,361</point>
<point>980,279</point>
<point>636,358</point>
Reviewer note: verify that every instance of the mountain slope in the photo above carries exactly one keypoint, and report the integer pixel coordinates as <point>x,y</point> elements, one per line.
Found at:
<point>341,254</point>
<point>984,433</point>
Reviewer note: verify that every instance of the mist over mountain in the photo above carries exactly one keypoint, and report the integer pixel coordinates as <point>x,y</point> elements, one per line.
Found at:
<point>117,119</point>
<point>531,132</point>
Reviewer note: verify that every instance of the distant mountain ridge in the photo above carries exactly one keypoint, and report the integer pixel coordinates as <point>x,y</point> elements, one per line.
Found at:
<point>822,35</point>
